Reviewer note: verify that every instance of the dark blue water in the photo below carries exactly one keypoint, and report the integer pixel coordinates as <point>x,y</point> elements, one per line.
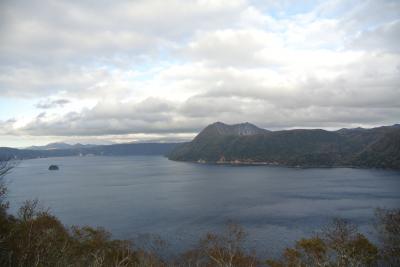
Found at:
<point>180,201</point>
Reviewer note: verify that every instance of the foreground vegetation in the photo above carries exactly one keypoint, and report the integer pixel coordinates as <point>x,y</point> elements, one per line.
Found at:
<point>34,237</point>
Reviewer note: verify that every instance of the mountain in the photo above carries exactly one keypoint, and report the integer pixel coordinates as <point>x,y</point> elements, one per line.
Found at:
<point>89,150</point>
<point>222,129</point>
<point>385,152</point>
<point>60,145</point>
<point>247,144</point>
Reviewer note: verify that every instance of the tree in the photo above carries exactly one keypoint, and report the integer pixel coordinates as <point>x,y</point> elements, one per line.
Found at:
<point>388,226</point>
<point>5,167</point>
<point>5,219</point>
<point>350,247</point>
<point>340,244</point>
<point>37,238</point>
<point>221,249</point>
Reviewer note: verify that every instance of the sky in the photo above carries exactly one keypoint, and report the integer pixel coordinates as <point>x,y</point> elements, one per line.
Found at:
<point>161,70</point>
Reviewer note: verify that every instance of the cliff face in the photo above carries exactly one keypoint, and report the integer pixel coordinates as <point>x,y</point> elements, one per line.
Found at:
<point>246,143</point>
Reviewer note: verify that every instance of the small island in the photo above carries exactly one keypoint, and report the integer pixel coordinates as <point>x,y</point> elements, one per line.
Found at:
<point>53,168</point>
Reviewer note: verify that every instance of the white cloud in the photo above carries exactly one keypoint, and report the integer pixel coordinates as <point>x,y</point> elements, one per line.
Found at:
<point>146,70</point>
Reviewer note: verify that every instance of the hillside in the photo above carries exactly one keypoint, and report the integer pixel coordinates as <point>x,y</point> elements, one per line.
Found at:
<point>60,145</point>
<point>84,150</point>
<point>221,143</point>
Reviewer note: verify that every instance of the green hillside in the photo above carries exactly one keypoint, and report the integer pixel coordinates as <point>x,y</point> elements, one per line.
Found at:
<point>221,143</point>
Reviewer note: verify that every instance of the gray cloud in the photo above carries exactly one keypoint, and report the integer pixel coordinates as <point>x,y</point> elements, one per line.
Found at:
<point>47,104</point>
<point>164,68</point>
<point>51,47</point>
<point>96,30</point>
<point>159,117</point>
<point>383,38</point>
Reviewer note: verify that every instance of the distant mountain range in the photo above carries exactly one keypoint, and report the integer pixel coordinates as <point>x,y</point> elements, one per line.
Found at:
<point>60,145</point>
<point>245,143</point>
<point>63,150</point>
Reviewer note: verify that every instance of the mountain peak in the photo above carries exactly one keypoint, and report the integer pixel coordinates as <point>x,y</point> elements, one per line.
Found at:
<point>240,129</point>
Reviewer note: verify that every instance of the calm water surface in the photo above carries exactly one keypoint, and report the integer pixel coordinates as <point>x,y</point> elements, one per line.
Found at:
<point>180,201</point>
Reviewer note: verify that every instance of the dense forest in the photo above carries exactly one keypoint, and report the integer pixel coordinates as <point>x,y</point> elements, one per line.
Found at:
<point>245,143</point>
<point>35,237</point>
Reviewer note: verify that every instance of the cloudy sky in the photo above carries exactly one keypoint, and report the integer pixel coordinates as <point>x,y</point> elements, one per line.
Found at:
<point>122,71</point>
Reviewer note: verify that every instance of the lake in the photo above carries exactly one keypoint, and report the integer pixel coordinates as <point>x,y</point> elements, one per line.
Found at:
<point>181,201</point>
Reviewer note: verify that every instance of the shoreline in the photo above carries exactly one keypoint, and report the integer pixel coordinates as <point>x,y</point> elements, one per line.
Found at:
<point>275,164</point>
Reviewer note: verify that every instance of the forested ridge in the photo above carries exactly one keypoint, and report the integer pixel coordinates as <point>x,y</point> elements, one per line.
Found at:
<point>247,144</point>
